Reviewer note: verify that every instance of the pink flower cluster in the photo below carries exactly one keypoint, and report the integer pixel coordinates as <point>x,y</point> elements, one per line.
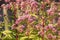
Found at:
<point>33,16</point>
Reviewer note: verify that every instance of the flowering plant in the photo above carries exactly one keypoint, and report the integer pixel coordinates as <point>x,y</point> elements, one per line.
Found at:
<point>30,20</point>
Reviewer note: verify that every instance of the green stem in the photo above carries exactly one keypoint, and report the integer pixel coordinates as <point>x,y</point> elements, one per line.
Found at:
<point>17,15</point>
<point>6,21</point>
<point>28,38</point>
<point>42,38</point>
<point>17,11</point>
<point>17,36</point>
<point>39,38</point>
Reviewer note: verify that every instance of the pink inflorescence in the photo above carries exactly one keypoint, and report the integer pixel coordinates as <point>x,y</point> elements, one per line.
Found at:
<point>33,19</point>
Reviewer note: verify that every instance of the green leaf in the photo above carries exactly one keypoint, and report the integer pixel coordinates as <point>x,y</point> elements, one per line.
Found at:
<point>39,39</point>
<point>34,15</point>
<point>23,38</point>
<point>6,32</point>
<point>32,36</point>
<point>36,22</point>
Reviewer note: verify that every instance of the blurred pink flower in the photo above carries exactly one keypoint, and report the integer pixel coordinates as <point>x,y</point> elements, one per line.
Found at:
<point>3,5</point>
<point>27,11</point>
<point>59,13</point>
<point>54,8</point>
<point>20,30</point>
<point>8,6</point>
<point>50,12</point>
<point>27,32</point>
<point>47,1</point>
<point>18,21</point>
<point>58,32</point>
<point>30,0</point>
<point>50,26</point>
<point>49,36</point>
<point>23,6</point>
<point>22,26</point>
<point>58,21</point>
<point>0,15</point>
<point>41,33</point>
<point>42,6</point>
<point>46,28</point>
<point>22,18</point>
<point>54,37</point>
<point>28,16</point>
<point>7,0</point>
<point>30,20</point>
<point>34,6</point>
<point>14,26</point>
<point>37,27</point>
<point>19,1</point>
<point>54,30</point>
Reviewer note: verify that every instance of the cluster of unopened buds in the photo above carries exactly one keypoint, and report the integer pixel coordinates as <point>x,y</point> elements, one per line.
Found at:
<point>31,16</point>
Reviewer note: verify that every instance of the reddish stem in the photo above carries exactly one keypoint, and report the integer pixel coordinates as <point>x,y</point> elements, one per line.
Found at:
<point>15,15</point>
<point>17,35</point>
<point>43,28</point>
